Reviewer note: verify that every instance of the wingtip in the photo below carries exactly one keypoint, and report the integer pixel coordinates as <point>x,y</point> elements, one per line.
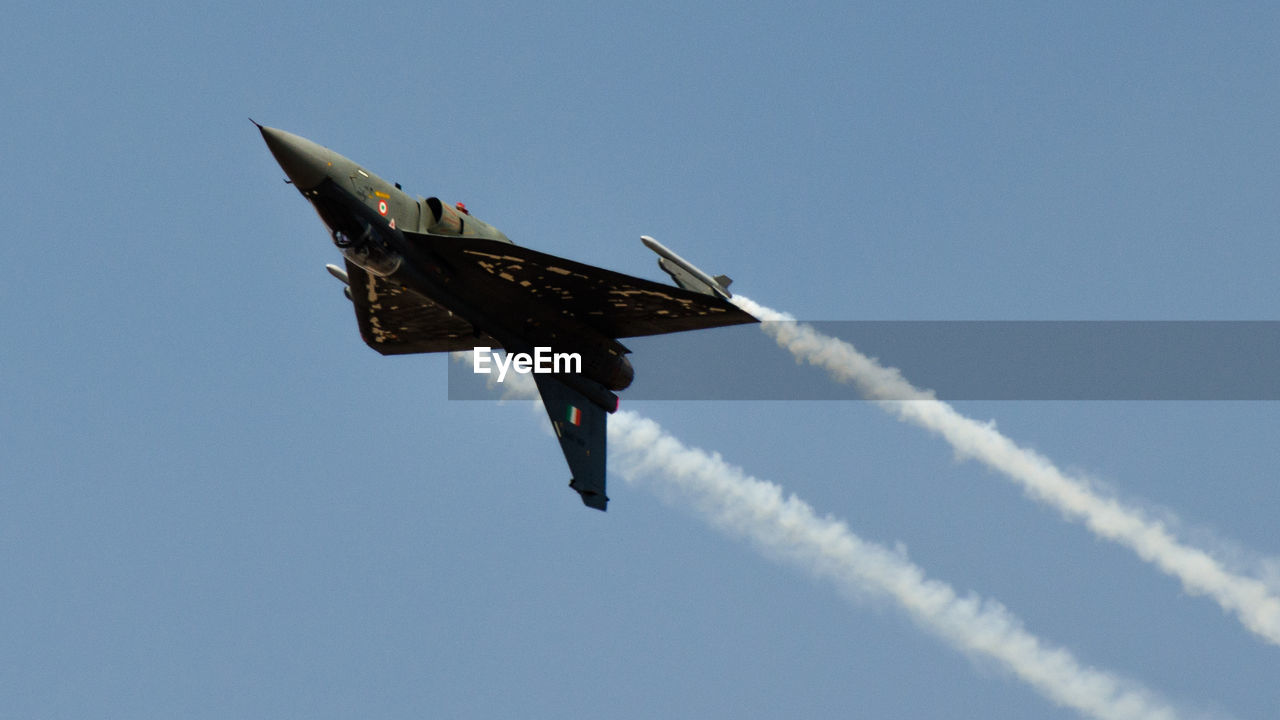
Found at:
<point>590,498</point>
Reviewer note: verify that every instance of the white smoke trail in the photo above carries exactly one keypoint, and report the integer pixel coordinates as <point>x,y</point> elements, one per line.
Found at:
<point>789,529</point>
<point>1248,598</point>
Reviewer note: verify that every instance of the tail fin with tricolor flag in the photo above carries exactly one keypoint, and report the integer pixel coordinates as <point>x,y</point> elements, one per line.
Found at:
<point>580,425</point>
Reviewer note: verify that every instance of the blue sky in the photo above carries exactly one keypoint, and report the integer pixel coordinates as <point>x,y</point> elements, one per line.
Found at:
<point>216,501</point>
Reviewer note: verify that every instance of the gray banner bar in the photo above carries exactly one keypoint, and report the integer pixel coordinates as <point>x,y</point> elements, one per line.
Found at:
<point>963,360</point>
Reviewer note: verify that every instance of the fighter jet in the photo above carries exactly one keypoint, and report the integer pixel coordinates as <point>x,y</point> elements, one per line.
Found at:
<point>425,276</point>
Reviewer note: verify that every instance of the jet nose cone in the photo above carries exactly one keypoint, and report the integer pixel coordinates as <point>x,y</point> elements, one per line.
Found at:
<point>306,163</point>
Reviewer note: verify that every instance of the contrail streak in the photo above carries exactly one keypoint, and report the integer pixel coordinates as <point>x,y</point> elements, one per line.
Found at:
<point>1248,598</point>
<point>789,529</point>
